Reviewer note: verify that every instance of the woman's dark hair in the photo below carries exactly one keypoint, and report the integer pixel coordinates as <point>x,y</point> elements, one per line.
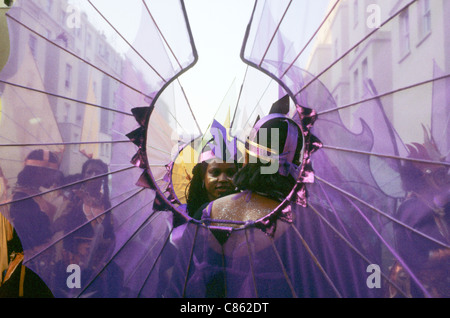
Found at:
<point>197,195</point>
<point>104,168</point>
<point>98,162</point>
<point>35,176</point>
<point>272,185</point>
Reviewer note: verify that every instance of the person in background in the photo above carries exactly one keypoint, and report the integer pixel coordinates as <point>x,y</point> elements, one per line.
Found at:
<point>31,215</point>
<point>90,202</point>
<point>6,230</point>
<point>426,209</point>
<point>89,224</point>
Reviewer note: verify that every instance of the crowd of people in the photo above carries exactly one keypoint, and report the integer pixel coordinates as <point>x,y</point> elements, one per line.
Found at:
<point>46,205</point>
<point>221,193</point>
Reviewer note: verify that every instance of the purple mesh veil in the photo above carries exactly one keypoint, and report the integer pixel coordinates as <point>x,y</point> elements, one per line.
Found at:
<point>102,89</point>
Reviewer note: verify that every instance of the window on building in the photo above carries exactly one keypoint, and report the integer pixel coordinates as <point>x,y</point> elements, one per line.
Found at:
<point>355,12</point>
<point>63,17</point>
<point>404,33</point>
<point>78,32</point>
<point>76,137</point>
<point>356,85</point>
<point>66,112</point>
<point>425,18</point>
<point>336,49</point>
<point>364,71</point>
<point>88,39</point>
<point>68,77</point>
<point>100,49</point>
<point>102,149</point>
<point>103,51</point>
<point>32,43</point>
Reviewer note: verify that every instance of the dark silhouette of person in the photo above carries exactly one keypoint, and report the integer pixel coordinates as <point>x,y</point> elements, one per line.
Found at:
<point>31,215</point>
<point>426,208</point>
<point>89,226</point>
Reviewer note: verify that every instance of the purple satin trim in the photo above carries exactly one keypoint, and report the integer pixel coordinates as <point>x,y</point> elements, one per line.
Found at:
<point>268,224</point>
<point>206,213</point>
<point>216,146</point>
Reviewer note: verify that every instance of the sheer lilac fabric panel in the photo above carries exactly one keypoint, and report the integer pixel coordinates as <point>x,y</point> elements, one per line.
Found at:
<point>309,261</point>
<point>371,109</point>
<point>75,73</point>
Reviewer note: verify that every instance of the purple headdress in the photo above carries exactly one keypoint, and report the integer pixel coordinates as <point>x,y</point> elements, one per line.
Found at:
<point>285,158</point>
<point>219,147</point>
<point>303,173</point>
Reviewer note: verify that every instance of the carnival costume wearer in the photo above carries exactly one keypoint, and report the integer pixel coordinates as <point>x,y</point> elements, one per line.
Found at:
<point>41,170</point>
<point>91,244</point>
<point>212,178</point>
<point>91,200</point>
<point>211,182</point>
<point>426,209</point>
<point>258,197</point>
<point>268,175</point>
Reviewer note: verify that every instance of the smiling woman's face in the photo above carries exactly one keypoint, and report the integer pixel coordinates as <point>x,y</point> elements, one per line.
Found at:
<point>219,179</point>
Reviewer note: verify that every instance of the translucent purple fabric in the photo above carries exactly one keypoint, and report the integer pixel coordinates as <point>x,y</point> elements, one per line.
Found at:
<point>368,83</point>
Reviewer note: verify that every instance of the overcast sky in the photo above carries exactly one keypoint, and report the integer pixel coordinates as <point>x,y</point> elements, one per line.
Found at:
<point>218,28</point>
